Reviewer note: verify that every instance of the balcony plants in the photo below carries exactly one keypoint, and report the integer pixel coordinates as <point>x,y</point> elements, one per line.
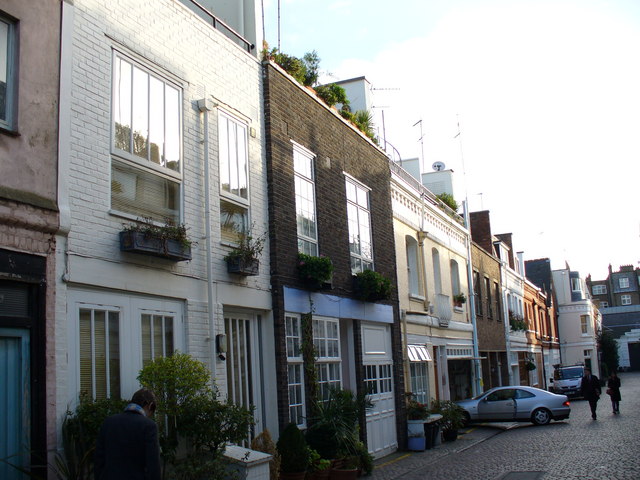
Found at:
<point>294,453</point>
<point>371,286</point>
<point>146,237</point>
<point>459,299</point>
<point>243,259</point>
<point>315,272</point>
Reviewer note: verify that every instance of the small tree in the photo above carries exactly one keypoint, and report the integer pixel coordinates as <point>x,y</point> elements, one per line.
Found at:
<point>609,349</point>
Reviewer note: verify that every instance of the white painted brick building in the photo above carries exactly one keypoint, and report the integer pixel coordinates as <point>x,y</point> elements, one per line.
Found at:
<point>133,145</point>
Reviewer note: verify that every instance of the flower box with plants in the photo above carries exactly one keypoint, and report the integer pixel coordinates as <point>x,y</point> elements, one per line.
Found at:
<point>243,259</point>
<point>459,299</point>
<point>148,238</point>
<point>372,286</point>
<point>516,322</point>
<point>315,272</point>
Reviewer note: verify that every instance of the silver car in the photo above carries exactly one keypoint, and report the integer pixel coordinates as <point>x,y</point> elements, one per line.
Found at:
<point>519,403</point>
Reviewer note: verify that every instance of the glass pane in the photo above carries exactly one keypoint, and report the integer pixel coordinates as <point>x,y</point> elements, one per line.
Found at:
<point>122,105</point>
<point>168,336</point>
<point>86,374</point>
<point>223,145</point>
<point>351,192</point>
<point>145,320</point>
<point>363,197</point>
<point>4,66</point>
<point>114,354</point>
<point>172,128</point>
<point>140,112</point>
<point>156,121</point>
<point>100,353</point>
<point>144,194</point>
<point>158,347</point>
<point>233,159</point>
<point>233,219</point>
<point>241,139</point>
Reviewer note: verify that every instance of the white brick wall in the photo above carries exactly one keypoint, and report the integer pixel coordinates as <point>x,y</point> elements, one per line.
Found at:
<point>174,42</point>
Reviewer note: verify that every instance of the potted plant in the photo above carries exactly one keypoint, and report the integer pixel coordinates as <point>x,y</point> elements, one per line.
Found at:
<point>529,364</point>
<point>516,322</point>
<point>459,299</point>
<point>371,286</point>
<point>243,258</point>
<point>417,414</point>
<point>294,453</point>
<point>319,468</point>
<point>315,272</point>
<point>148,238</point>
<point>452,417</point>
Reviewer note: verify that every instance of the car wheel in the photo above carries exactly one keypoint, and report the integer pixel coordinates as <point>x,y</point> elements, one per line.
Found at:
<point>466,419</point>
<point>541,416</point>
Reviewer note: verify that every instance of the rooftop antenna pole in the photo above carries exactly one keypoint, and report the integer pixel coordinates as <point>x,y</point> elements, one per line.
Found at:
<point>421,140</point>
<point>278,25</point>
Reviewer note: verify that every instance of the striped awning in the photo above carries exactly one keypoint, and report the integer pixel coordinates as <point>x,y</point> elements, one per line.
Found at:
<point>418,353</point>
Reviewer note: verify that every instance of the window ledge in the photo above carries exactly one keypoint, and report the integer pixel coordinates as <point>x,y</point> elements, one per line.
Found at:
<point>416,297</point>
<point>8,131</point>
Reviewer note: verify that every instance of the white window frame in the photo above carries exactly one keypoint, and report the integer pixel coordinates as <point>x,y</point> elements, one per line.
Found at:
<point>123,160</point>
<point>293,345</point>
<point>131,307</point>
<point>575,285</point>
<point>360,261</point>
<point>623,282</point>
<point>604,304</point>
<point>413,267</point>
<point>584,324</point>
<point>599,289</point>
<point>305,193</point>
<point>10,68</point>
<point>326,341</point>
<point>419,378</point>
<point>625,299</point>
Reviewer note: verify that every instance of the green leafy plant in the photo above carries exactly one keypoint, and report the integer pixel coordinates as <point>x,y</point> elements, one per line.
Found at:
<point>331,94</point>
<point>293,450</point>
<point>529,365</point>
<point>516,322</point>
<point>248,248</point>
<point>372,286</point>
<point>449,201</point>
<point>263,442</point>
<point>415,409</point>
<point>317,463</point>
<point>460,298</point>
<point>169,231</point>
<point>314,271</point>
<point>452,414</point>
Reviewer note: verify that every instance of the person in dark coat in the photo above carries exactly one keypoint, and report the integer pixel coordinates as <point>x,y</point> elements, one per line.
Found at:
<point>613,389</point>
<point>127,446</point>
<point>591,391</point>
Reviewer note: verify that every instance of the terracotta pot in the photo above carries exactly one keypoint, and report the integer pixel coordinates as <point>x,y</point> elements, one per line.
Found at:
<point>321,475</point>
<point>292,475</point>
<point>339,474</point>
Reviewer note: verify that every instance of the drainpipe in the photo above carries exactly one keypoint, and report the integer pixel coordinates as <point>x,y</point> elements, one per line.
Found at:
<point>477,386</point>
<point>205,106</point>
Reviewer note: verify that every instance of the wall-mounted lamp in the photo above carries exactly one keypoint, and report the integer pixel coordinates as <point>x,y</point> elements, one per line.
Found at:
<point>221,345</point>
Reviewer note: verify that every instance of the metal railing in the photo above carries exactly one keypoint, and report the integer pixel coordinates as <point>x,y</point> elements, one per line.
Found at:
<point>218,24</point>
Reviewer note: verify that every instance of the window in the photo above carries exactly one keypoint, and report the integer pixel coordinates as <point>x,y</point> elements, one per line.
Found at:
<point>234,178</point>
<point>99,352</point>
<point>377,379</point>
<point>294,369</point>
<point>157,336</point>
<point>604,304</point>
<point>413,272</point>
<point>599,289</point>
<point>419,381</point>
<point>623,282</point>
<point>455,277</point>
<point>575,285</point>
<point>498,302</point>
<point>625,299</point>
<point>360,243</point>
<point>584,324</point>
<point>487,291</point>
<point>437,274</point>
<point>146,144</point>
<point>8,60</point>
<point>305,201</point>
<point>477,293</point>
<point>326,341</point>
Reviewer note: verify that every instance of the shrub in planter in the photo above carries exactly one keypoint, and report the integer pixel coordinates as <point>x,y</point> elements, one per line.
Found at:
<point>314,271</point>
<point>452,417</point>
<point>372,286</point>
<point>264,443</point>
<point>146,237</point>
<point>459,299</point>
<point>244,257</point>
<point>293,450</point>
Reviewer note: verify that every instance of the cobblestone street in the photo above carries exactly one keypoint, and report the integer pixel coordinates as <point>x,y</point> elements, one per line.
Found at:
<point>579,448</point>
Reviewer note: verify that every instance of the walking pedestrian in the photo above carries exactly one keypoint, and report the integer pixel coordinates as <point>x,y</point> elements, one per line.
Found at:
<point>613,390</point>
<point>127,446</point>
<point>591,391</point>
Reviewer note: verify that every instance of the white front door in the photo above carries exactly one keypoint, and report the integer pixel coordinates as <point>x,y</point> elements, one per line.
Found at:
<point>378,364</point>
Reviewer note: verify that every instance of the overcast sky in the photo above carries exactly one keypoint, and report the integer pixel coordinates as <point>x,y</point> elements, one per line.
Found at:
<point>547,94</point>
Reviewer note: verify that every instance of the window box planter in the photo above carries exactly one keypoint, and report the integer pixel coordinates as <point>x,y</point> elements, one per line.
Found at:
<point>371,286</point>
<point>241,266</point>
<point>316,273</point>
<point>146,244</point>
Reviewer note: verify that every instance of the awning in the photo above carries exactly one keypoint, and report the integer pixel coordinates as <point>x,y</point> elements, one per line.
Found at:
<point>418,353</point>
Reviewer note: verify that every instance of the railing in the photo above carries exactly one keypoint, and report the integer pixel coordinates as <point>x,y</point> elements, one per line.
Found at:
<point>218,24</point>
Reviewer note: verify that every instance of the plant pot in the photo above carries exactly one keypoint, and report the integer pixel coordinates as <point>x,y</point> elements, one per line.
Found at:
<point>240,266</point>
<point>415,428</point>
<point>450,435</point>
<point>292,475</point>
<point>343,474</point>
<point>138,242</point>
<point>319,475</point>
<point>416,444</point>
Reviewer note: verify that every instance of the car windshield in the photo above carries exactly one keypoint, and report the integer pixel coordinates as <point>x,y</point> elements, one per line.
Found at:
<point>569,373</point>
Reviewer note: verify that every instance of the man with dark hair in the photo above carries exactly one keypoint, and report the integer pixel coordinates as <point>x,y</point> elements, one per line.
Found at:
<point>590,389</point>
<point>127,446</point>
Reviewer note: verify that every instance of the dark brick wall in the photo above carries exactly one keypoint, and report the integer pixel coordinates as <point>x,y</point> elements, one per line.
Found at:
<point>481,229</point>
<point>292,114</point>
<point>490,329</point>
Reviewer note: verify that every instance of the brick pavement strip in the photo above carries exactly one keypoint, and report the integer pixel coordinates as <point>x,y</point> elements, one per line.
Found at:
<point>577,449</point>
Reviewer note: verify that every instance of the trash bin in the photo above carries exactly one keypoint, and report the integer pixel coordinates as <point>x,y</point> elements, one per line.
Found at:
<point>416,444</point>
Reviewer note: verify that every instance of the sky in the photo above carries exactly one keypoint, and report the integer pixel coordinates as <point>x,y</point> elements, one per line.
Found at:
<point>545,95</point>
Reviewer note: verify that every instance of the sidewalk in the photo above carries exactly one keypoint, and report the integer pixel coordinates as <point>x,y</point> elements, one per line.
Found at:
<point>398,464</point>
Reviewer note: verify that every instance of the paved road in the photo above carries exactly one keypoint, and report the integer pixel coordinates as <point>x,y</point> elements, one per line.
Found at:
<point>579,448</point>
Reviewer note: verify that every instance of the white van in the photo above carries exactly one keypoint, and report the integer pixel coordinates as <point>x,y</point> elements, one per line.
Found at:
<point>566,380</point>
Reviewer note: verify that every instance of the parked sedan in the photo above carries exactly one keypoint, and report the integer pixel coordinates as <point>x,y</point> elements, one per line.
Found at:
<point>519,403</point>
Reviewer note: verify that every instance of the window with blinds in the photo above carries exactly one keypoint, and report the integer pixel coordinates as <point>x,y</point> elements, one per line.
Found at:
<point>157,336</point>
<point>99,353</point>
<point>295,376</point>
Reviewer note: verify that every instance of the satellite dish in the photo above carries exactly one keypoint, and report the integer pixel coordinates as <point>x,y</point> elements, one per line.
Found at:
<point>438,166</point>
